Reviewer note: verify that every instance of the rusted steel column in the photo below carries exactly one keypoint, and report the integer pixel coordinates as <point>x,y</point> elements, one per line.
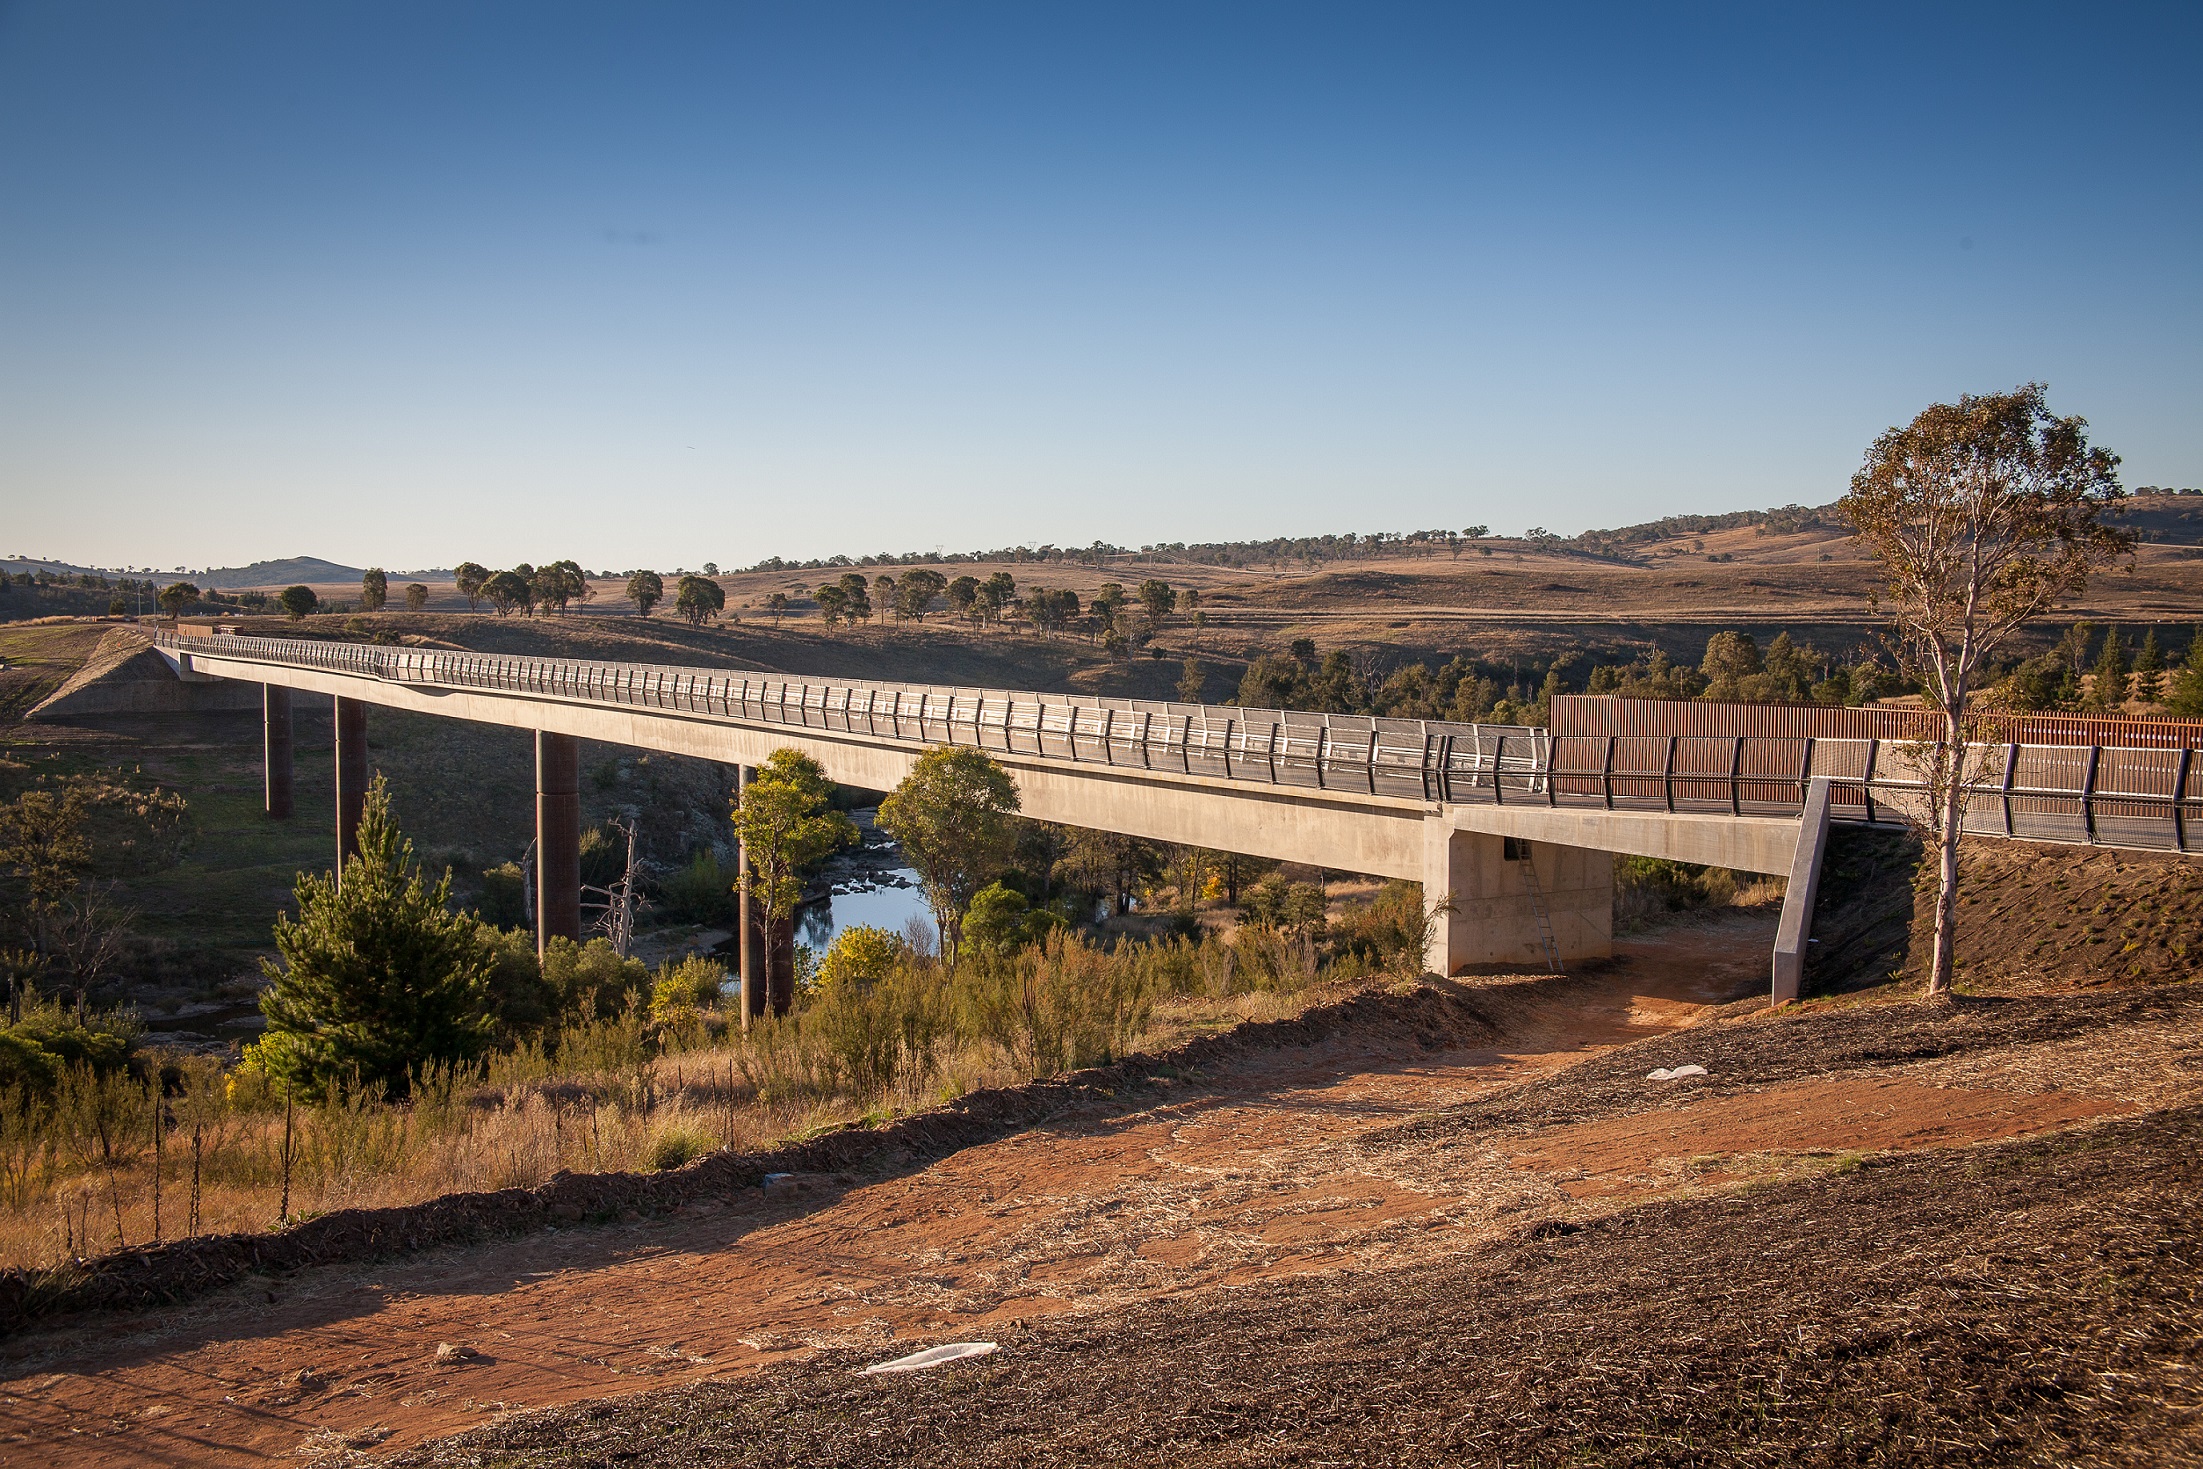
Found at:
<point>351,778</point>
<point>275,730</point>
<point>753,993</point>
<point>557,839</point>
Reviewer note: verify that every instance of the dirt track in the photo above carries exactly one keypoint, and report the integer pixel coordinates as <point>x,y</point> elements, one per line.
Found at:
<point>1313,1160</point>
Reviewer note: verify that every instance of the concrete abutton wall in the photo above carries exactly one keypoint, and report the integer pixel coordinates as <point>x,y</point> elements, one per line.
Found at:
<point>1494,915</point>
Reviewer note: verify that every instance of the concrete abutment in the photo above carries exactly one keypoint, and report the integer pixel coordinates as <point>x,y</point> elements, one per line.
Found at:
<point>1493,887</point>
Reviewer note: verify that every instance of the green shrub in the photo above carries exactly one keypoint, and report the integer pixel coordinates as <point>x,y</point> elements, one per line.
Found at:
<point>1647,889</point>
<point>592,980</point>
<point>676,1145</point>
<point>875,1035</point>
<point>679,990</point>
<point>1058,1005</point>
<point>702,892</point>
<point>503,901</point>
<point>1002,919</point>
<point>860,955</point>
<point>1389,933</point>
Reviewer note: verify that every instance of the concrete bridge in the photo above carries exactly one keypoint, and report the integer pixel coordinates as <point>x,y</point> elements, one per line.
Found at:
<point>1512,829</point>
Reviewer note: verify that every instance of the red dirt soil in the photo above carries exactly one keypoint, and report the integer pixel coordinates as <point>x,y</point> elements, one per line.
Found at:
<point>1250,1175</point>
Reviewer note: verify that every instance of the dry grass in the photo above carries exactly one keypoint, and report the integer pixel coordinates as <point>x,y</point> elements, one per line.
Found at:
<point>79,1175</point>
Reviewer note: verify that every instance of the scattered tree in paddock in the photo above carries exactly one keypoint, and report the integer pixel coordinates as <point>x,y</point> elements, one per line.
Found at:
<point>374,589</point>
<point>646,590</point>
<point>1160,599</point>
<point>470,577</point>
<point>416,597</point>
<point>699,599</point>
<point>298,602</point>
<point>509,591</point>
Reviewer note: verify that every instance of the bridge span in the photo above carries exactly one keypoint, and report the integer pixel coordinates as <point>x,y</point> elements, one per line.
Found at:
<point>1514,828</point>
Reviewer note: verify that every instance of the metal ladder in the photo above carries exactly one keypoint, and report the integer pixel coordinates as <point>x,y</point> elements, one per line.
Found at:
<point>1537,911</point>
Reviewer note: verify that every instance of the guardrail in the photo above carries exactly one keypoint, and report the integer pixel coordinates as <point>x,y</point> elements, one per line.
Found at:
<point>2100,795</point>
<point>1410,758</point>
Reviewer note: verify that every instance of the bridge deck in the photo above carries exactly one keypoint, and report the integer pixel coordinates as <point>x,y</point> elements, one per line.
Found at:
<point>2141,798</point>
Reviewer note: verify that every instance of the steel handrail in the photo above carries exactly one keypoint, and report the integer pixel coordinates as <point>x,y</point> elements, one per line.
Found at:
<point>2103,795</point>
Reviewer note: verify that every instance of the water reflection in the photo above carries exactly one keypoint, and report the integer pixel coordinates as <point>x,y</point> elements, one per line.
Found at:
<point>870,905</point>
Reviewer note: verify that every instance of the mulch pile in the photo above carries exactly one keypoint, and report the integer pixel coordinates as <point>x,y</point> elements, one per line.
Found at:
<point>166,1274</point>
<point>2030,1302</point>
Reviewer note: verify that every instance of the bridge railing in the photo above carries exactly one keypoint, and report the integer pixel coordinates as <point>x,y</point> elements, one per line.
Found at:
<point>1418,759</point>
<point>2101,795</point>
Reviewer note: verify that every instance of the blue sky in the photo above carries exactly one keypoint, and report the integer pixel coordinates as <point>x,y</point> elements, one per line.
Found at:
<point>659,283</point>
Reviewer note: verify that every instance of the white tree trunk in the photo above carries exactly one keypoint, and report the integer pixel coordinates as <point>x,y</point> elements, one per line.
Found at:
<point>1950,820</point>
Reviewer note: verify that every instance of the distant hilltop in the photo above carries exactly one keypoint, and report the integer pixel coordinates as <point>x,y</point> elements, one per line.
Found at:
<point>294,569</point>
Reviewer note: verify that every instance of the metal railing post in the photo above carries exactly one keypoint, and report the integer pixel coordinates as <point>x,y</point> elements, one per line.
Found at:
<point>2011,768</point>
<point>1606,773</point>
<point>1668,776</point>
<point>2088,791</point>
<point>1736,772</point>
<point>1866,780</point>
<point>2179,797</point>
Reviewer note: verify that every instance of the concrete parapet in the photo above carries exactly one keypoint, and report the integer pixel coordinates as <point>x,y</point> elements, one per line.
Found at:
<point>1796,928</point>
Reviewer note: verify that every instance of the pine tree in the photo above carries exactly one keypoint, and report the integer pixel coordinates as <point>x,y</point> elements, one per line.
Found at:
<point>379,977</point>
<point>2185,697</point>
<point>2108,687</point>
<point>2149,670</point>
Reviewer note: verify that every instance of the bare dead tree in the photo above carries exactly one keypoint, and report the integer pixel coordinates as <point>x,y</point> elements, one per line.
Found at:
<point>619,901</point>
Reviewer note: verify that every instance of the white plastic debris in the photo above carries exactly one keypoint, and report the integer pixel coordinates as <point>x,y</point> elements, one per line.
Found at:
<point>955,1351</point>
<point>773,1178</point>
<point>1676,1073</point>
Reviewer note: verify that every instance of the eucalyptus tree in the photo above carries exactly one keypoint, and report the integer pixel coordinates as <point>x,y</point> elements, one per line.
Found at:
<point>699,599</point>
<point>787,825</point>
<point>470,577</point>
<point>1984,514</point>
<point>646,590</point>
<point>508,590</point>
<point>954,815</point>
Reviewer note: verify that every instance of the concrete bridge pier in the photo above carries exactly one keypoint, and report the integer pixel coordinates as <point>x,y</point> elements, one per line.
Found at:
<point>276,752</point>
<point>1495,886</point>
<point>351,722</point>
<point>557,839</point>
